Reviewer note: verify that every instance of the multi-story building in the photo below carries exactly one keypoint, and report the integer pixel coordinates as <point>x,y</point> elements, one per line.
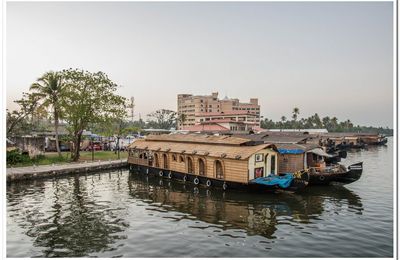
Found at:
<point>194,109</point>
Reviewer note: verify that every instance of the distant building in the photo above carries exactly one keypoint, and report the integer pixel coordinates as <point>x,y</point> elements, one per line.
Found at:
<point>200,108</point>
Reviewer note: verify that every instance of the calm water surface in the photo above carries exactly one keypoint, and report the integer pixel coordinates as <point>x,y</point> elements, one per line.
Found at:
<point>117,214</point>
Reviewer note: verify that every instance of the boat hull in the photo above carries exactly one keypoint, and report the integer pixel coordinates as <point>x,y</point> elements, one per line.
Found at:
<point>352,174</point>
<point>296,186</point>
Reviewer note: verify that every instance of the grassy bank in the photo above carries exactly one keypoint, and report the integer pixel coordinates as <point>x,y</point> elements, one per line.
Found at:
<point>50,158</point>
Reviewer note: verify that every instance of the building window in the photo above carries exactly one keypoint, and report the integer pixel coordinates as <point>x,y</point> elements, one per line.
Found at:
<point>181,159</point>
<point>174,157</point>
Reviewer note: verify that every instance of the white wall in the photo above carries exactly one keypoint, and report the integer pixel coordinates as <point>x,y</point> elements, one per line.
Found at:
<point>266,154</point>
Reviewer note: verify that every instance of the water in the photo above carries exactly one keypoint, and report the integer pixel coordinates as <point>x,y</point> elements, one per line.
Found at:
<point>117,214</point>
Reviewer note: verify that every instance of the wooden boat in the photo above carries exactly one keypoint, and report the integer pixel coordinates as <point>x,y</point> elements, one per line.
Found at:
<point>335,174</point>
<point>322,167</point>
<point>213,161</point>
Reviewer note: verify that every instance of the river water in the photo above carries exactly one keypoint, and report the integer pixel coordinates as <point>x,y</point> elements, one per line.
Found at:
<point>118,214</point>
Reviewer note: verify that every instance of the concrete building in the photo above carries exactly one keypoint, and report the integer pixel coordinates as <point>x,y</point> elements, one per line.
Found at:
<point>194,109</point>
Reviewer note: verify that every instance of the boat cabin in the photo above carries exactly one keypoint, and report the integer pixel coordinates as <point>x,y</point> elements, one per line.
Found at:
<point>225,158</point>
<point>296,157</point>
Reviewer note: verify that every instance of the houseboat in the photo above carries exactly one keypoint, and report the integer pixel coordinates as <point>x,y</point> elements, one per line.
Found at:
<point>213,161</point>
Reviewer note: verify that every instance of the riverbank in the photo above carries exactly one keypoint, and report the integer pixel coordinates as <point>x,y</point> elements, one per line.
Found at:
<point>45,171</point>
<point>51,158</point>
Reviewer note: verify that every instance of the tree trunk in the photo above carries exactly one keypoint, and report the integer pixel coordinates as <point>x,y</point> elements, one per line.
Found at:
<point>77,144</point>
<point>56,129</point>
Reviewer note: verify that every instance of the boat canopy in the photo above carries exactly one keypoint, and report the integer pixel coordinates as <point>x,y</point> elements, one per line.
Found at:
<point>320,152</point>
<point>290,151</point>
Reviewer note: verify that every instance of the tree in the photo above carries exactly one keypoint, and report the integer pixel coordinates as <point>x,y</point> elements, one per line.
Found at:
<point>49,89</point>
<point>28,104</point>
<point>89,98</point>
<point>283,120</point>
<point>181,118</point>
<point>164,119</point>
<point>326,122</point>
<point>296,112</point>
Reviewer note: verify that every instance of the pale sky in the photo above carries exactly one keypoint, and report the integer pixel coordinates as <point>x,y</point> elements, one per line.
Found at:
<point>335,59</point>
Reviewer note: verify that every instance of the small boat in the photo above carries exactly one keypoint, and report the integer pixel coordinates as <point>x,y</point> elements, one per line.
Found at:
<point>335,174</point>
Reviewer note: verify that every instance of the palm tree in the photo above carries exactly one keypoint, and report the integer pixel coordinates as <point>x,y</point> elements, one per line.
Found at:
<point>283,120</point>
<point>296,112</point>
<point>49,89</point>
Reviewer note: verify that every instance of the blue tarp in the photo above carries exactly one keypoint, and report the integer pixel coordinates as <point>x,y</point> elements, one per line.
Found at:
<point>290,151</point>
<point>283,181</point>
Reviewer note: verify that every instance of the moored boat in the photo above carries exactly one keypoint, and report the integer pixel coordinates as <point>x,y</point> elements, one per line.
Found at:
<point>335,174</point>
<point>322,167</point>
<point>214,161</point>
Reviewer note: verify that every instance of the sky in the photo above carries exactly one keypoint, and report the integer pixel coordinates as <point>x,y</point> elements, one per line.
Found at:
<point>330,58</point>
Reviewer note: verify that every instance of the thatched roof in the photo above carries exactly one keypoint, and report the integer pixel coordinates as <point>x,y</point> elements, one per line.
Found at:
<point>212,149</point>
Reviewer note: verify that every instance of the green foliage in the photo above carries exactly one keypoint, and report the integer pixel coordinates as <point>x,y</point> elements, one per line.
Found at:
<point>88,99</point>
<point>17,120</point>
<point>314,122</point>
<point>163,119</point>
<point>49,89</point>
<point>15,156</point>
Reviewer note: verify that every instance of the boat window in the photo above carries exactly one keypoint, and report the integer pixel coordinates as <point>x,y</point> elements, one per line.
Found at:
<point>165,160</point>
<point>156,161</point>
<point>190,165</point>
<point>219,171</point>
<point>272,164</point>
<point>201,167</point>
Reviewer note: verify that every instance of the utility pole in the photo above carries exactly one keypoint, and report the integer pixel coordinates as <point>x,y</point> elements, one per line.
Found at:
<point>132,107</point>
<point>91,140</point>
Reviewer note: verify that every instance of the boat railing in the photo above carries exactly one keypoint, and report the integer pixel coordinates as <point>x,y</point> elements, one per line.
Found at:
<point>326,169</point>
<point>138,161</point>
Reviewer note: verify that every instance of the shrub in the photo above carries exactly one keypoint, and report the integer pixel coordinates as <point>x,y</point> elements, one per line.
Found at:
<point>15,156</point>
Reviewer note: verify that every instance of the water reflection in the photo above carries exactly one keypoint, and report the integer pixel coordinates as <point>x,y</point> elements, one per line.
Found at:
<point>258,214</point>
<point>74,224</point>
